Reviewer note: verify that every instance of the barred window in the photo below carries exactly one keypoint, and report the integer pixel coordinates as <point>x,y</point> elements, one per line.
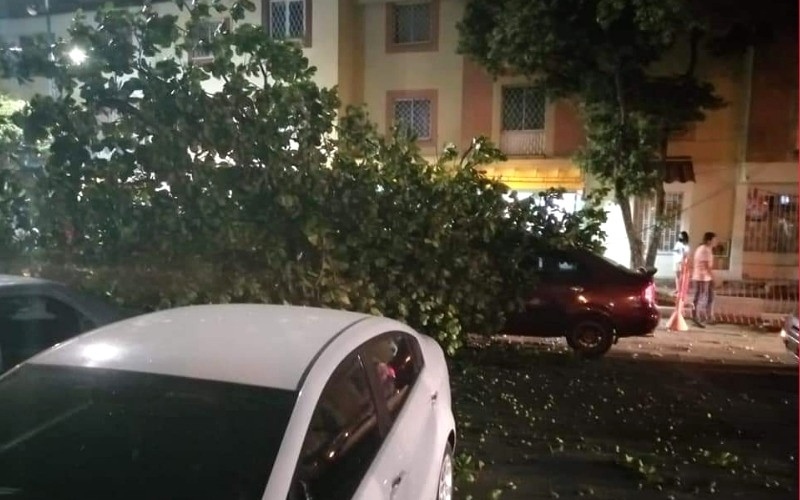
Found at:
<point>645,214</point>
<point>287,19</point>
<point>412,23</point>
<point>523,108</point>
<point>202,34</point>
<point>414,115</point>
<point>770,222</point>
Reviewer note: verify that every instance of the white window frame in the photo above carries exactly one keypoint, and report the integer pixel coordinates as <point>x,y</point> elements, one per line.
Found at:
<point>680,222</point>
<point>413,100</point>
<point>414,41</point>
<point>503,90</point>
<point>286,23</point>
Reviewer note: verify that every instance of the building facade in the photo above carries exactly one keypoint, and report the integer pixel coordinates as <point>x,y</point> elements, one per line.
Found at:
<point>399,59</point>
<point>311,22</point>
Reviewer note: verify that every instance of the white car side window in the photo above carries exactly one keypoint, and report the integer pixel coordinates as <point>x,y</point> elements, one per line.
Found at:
<point>343,437</point>
<point>30,324</point>
<point>396,364</point>
<point>33,309</point>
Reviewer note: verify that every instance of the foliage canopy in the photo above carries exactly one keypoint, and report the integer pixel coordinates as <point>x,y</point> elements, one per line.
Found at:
<point>608,56</point>
<point>171,182</point>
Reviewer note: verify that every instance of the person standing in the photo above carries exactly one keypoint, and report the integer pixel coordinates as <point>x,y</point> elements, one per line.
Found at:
<point>703,280</point>
<point>681,251</point>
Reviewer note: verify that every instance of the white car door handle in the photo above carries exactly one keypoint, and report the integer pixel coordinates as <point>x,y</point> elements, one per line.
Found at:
<point>396,484</point>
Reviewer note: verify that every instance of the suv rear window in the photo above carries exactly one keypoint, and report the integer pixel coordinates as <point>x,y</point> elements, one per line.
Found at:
<point>560,266</point>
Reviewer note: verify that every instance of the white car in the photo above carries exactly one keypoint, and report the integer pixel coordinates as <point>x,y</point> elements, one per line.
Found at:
<point>231,402</point>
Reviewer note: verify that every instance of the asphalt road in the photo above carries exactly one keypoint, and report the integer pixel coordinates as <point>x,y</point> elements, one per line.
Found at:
<point>702,415</point>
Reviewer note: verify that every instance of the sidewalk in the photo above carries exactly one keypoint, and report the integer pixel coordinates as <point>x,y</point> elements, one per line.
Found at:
<point>737,314</point>
<point>763,307</point>
<point>723,344</point>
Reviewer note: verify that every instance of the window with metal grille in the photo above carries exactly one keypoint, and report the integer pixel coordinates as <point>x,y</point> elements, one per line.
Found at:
<point>689,133</point>
<point>413,115</point>
<point>202,34</point>
<point>523,108</point>
<point>645,214</point>
<point>287,19</point>
<point>770,222</point>
<point>412,23</point>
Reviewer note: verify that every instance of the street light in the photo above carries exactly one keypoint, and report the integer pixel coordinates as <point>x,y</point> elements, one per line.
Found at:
<point>77,55</point>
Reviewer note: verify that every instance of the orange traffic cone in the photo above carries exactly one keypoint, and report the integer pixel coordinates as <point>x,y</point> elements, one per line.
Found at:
<point>676,322</point>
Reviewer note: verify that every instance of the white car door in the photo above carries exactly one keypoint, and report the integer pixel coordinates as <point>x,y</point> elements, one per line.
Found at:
<point>356,450</point>
<point>342,440</point>
<point>408,462</point>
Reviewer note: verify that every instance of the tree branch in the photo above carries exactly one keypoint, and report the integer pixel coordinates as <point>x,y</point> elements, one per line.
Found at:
<point>264,74</point>
<point>466,154</point>
<point>621,101</point>
<point>694,47</point>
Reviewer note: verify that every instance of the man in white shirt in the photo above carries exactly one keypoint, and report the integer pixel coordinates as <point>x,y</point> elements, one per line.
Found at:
<point>703,279</point>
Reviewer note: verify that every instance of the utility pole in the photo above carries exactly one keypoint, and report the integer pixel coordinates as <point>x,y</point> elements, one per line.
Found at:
<point>34,11</point>
<point>50,42</point>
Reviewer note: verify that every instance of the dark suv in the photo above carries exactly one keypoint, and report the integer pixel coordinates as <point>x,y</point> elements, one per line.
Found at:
<point>590,300</point>
<point>36,314</point>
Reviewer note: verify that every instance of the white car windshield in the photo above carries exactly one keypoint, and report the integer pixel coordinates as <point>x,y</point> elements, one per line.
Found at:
<point>100,434</point>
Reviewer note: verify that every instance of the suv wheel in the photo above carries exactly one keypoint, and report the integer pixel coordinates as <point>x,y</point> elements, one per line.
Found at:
<point>591,338</point>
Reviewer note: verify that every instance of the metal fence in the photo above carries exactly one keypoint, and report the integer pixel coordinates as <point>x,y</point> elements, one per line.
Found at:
<point>754,303</point>
<point>770,222</point>
<point>522,142</point>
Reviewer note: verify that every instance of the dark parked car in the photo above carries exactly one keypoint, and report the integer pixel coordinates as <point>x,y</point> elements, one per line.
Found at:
<point>590,300</point>
<point>36,314</point>
<point>789,333</point>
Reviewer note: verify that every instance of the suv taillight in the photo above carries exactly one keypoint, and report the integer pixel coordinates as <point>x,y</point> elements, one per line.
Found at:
<point>649,294</point>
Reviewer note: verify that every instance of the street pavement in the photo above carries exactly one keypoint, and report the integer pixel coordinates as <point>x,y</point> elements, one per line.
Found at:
<point>716,344</point>
<point>702,414</point>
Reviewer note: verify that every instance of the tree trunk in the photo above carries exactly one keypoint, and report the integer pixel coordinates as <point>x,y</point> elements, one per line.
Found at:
<point>624,202</point>
<point>660,204</point>
<point>632,230</point>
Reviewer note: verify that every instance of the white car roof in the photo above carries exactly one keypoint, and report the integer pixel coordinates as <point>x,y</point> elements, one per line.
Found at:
<point>262,345</point>
<point>13,280</point>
